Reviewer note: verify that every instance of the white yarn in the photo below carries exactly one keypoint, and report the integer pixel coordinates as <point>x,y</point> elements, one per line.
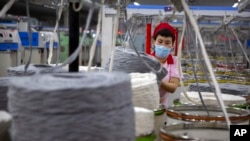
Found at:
<point>114,35</point>
<point>5,123</point>
<point>179,56</point>
<point>55,33</point>
<point>93,47</point>
<point>4,116</point>
<point>144,121</point>
<point>145,90</point>
<point>210,99</point>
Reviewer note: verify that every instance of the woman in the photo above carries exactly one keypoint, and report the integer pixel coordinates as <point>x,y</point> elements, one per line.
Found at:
<point>164,41</point>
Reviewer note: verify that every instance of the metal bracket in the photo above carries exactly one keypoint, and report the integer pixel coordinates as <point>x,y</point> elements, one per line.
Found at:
<point>243,6</point>
<point>226,20</point>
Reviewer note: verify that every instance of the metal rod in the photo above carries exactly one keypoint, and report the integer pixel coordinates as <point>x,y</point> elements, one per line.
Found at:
<point>73,36</point>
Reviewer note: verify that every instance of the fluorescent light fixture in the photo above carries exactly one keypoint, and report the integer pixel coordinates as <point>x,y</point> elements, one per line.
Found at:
<point>235,4</point>
<point>238,0</point>
<point>136,3</point>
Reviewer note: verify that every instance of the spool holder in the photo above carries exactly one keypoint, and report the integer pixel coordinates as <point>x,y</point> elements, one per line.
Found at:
<point>167,136</point>
<point>174,112</point>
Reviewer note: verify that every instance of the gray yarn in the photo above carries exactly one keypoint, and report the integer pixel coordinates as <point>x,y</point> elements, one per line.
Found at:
<point>32,69</point>
<point>94,106</point>
<point>4,82</point>
<point>126,60</point>
<point>227,88</point>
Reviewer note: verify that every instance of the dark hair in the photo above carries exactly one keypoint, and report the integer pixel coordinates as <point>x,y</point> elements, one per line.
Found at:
<point>165,33</point>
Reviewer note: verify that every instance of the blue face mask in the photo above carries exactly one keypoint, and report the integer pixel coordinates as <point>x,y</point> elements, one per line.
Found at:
<point>162,51</point>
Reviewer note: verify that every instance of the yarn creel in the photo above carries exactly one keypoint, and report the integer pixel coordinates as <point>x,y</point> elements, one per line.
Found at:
<point>126,60</point>
<point>145,90</point>
<point>72,107</point>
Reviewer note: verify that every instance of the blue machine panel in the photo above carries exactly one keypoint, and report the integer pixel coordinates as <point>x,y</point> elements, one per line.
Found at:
<point>8,46</point>
<point>55,45</point>
<point>24,36</point>
<point>248,43</point>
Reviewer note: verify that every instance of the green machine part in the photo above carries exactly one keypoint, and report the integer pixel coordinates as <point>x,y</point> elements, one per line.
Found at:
<point>64,43</point>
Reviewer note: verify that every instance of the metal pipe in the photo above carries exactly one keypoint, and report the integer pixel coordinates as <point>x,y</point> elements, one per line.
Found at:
<point>73,36</point>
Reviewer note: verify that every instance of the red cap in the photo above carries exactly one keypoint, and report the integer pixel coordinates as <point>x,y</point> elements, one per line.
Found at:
<point>162,26</point>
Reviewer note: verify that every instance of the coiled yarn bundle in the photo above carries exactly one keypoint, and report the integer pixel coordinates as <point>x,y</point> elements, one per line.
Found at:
<point>126,60</point>
<point>93,106</point>
<point>145,90</point>
<point>4,82</point>
<point>32,69</point>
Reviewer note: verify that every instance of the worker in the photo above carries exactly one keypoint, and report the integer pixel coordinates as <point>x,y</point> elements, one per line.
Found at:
<point>163,44</point>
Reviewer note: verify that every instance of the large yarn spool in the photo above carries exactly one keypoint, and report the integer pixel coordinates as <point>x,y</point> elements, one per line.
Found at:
<point>93,106</point>
<point>32,69</point>
<point>126,60</point>
<point>4,82</point>
<point>145,90</point>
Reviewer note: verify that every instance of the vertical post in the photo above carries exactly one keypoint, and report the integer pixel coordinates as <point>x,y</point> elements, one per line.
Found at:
<point>148,37</point>
<point>176,42</point>
<point>73,36</point>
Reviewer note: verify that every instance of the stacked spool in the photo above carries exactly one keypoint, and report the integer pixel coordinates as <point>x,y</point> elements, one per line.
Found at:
<point>126,60</point>
<point>32,69</point>
<point>4,82</point>
<point>72,107</point>
<point>5,122</point>
<point>146,95</point>
<point>144,124</point>
<point>145,90</point>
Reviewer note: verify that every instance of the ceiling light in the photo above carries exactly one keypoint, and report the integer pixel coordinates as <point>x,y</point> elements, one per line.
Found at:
<point>235,4</point>
<point>136,3</point>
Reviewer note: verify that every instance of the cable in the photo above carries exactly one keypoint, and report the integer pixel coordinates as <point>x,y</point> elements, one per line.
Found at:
<point>193,68</point>
<point>78,8</point>
<point>29,36</point>
<point>93,47</point>
<point>179,54</point>
<point>51,42</point>
<point>115,29</point>
<point>241,46</point>
<point>6,7</point>
<point>206,58</point>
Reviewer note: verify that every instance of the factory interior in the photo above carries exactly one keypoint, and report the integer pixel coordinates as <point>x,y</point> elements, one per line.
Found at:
<point>124,70</point>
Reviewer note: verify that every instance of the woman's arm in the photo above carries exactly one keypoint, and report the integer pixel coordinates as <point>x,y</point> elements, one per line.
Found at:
<point>170,86</point>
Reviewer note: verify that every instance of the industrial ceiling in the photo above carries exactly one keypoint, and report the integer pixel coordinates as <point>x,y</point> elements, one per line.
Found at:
<point>43,10</point>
